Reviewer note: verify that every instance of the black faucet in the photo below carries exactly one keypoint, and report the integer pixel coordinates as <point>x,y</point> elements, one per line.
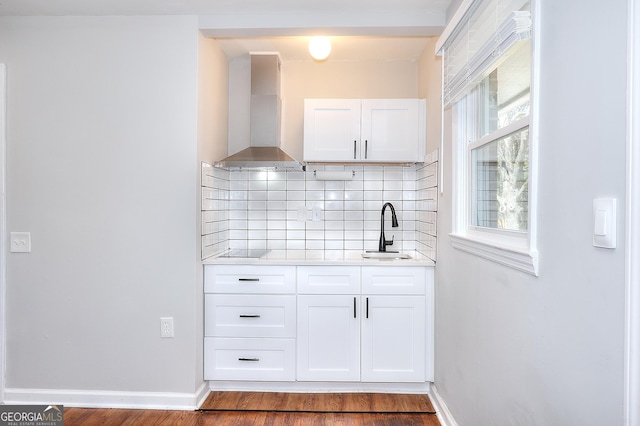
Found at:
<point>382,246</point>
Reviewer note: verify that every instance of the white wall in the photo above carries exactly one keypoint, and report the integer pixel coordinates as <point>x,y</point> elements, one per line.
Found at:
<point>101,149</point>
<point>213,101</point>
<point>515,349</point>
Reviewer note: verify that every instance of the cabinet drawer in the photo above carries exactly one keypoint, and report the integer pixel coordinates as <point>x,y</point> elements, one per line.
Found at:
<point>253,279</point>
<point>393,280</point>
<point>249,359</point>
<point>249,316</point>
<point>328,279</point>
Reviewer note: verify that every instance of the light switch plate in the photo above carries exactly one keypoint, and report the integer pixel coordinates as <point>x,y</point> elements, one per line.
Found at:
<point>604,222</point>
<point>20,242</point>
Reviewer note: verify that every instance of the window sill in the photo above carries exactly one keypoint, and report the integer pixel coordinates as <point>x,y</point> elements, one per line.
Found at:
<point>522,260</point>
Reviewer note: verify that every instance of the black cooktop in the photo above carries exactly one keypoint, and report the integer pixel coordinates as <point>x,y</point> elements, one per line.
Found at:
<point>244,253</point>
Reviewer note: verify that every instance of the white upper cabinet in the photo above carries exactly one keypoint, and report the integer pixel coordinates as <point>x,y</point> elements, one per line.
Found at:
<point>367,130</point>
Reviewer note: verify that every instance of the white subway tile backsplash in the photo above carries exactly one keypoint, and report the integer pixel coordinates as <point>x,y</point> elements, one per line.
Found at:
<point>392,185</point>
<point>334,215</point>
<point>238,234</point>
<point>295,185</point>
<point>315,235</point>
<point>238,205</point>
<point>334,235</point>
<point>276,205</point>
<point>277,185</point>
<point>273,244</point>
<point>354,185</point>
<point>353,245</point>
<point>238,185</point>
<point>336,244</point>
<point>296,196</point>
<point>260,209</point>
<point>334,205</point>
<point>372,185</point>
<point>277,219</point>
<point>295,244</point>
<point>354,215</point>
<point>314,244</point>
<point>353,206</point>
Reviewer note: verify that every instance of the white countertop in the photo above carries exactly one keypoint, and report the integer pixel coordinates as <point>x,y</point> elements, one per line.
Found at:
<point>320,257</point>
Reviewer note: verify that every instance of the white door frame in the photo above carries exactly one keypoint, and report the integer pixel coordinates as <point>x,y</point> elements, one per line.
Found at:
<point>632,246</point>
<point>3,219</point>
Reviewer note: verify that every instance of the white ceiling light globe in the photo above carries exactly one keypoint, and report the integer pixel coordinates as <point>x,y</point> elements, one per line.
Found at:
<point>320,47</point>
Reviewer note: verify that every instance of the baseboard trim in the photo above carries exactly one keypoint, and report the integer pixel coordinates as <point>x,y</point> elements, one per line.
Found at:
<point>109,399</point>
<point>444,415</point>
<point>320,387</point>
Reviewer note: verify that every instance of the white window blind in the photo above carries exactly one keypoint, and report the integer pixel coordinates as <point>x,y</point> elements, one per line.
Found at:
<point>479,42</point>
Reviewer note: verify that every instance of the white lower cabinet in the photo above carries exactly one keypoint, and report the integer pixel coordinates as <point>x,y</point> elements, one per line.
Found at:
<point>328,339</point>
<point>393,339</point>
<point>378,334</point>
<point>340,323</point>
<point>249,323</point>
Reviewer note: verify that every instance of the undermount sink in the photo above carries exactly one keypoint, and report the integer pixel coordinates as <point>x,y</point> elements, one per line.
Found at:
<point>385,255</point>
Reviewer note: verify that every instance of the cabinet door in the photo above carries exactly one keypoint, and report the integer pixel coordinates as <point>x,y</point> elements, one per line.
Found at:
<point>393,130</point>
<point>328,339</point>
<point>331,129</point>
<point>393,339</point>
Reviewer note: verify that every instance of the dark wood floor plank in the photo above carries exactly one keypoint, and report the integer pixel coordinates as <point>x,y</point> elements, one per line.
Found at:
<point>100,416</point>
<point>319,402</point>
<point>342,409</point>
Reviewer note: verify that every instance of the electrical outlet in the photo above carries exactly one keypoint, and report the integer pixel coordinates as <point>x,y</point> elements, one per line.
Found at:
<point>166,327</point>
<point>20,242</point>
<point>317,213</point>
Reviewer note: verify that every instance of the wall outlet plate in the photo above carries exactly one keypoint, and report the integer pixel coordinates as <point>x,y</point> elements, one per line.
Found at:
<point>166,327</point>
<point>20,242</point>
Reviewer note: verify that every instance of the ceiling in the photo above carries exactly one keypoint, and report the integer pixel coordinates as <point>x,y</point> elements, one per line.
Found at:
<point>344,48</point>
<point>359,29</point>
<point>209,7</point>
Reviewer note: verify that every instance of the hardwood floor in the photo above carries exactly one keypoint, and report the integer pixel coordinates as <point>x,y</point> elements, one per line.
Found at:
<point>117,417</point>
<point>306,402</point>
<point>333,402</point>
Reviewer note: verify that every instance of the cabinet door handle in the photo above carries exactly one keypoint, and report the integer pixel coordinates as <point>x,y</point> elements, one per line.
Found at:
<point>249,359</point>
<point>354,149</point>
<point>248,279</point>
<point>354,307</point>
<point>366,148</point>
<point>249,316</point>
<point>367,308</point>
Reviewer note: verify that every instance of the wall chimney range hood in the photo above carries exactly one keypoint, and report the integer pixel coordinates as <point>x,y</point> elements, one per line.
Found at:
<point>264,145</point>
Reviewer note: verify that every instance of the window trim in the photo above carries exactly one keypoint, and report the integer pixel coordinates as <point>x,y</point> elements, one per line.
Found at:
<point>510,248</point>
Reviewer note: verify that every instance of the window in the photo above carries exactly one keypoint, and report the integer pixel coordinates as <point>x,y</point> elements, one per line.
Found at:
<point>487,84</point>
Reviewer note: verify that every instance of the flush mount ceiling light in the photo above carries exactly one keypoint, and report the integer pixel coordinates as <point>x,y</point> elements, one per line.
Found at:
<point>320,47</point>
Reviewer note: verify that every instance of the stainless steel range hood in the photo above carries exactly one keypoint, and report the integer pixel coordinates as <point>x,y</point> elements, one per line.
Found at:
<point>264,145</point>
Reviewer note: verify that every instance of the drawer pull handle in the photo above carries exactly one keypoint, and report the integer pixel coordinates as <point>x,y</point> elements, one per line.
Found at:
<point>249,316</point>
<point>354,307</point>
<point>248,279</point>
<point>367,307</point>
<point>249,359</point>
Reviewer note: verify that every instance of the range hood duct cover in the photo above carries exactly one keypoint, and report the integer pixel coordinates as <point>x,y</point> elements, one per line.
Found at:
<point>264,148</point>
